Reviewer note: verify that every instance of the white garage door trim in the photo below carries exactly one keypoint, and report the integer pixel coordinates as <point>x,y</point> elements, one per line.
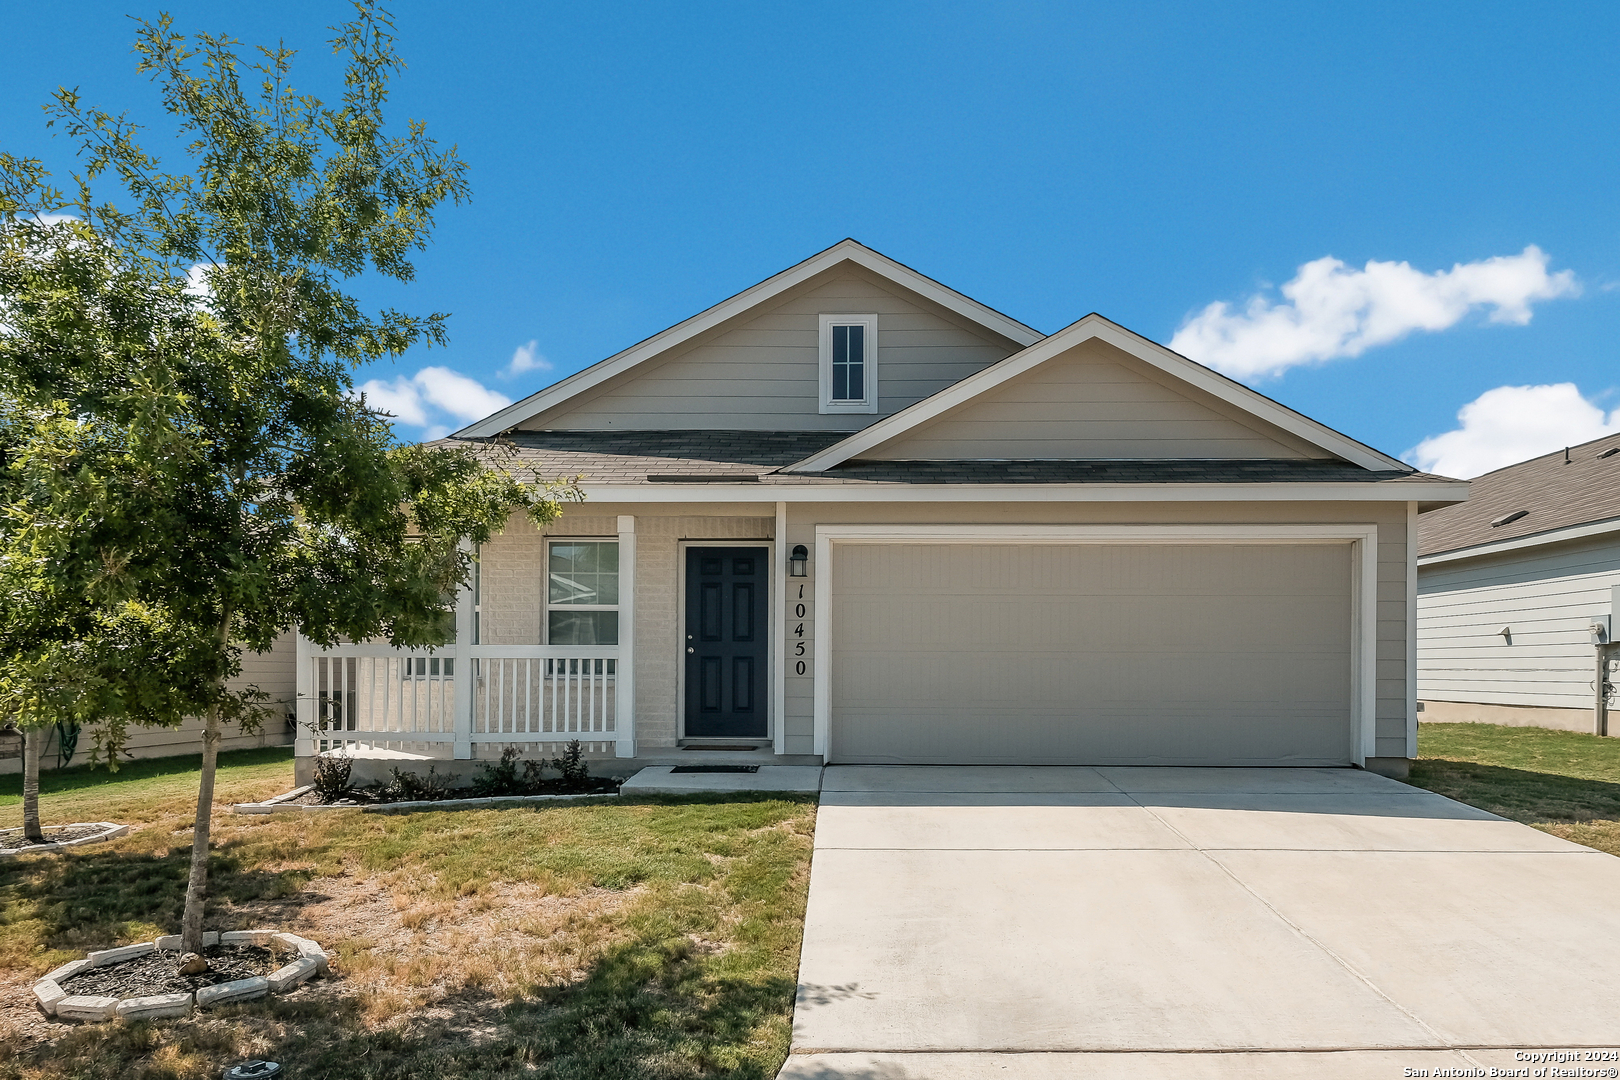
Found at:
<point>1363,602</point>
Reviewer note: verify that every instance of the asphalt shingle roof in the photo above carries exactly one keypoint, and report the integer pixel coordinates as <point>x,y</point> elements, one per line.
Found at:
<point>1557,496</point>
<point>647,457</point>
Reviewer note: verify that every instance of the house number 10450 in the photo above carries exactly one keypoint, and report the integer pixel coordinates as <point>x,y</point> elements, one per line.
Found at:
<point>799,611</point>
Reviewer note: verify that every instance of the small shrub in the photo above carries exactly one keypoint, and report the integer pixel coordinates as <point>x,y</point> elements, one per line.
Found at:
<point>502,779</point>
<point>409,787</point>
<point>575,772</point>
<point>332,773</point>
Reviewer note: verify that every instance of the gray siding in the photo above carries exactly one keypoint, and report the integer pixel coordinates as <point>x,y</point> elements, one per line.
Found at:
<point>1547,596</point>
<point>1094,401</point>
<point>762,371</point>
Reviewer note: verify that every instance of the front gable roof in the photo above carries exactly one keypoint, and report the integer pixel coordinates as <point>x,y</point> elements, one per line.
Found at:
<point>845,251</point>
<point>893,429</point>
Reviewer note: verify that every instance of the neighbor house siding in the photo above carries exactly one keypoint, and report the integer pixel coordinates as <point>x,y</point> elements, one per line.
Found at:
<point>1093,402</point>
<point>1546,596</point>
<point>1391,705</point>
<point>762,372</point>
<point>273,672</point>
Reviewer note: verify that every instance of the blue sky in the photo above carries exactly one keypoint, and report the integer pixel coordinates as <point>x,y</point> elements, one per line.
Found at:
<point>633,164</point>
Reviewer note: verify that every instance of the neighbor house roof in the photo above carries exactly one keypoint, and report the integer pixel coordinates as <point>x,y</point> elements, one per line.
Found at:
<point>1556,494</point>
<point>849,251</point>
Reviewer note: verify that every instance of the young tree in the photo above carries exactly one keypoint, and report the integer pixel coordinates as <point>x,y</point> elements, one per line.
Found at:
<point>247,489</point>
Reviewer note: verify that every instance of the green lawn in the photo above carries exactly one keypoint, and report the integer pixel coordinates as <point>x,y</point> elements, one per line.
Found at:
<point>1561,782</point>
<point>655,938</point>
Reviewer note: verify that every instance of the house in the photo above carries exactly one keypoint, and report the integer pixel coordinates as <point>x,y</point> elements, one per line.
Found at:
<point>1517,593</point>
<point>852,515</point>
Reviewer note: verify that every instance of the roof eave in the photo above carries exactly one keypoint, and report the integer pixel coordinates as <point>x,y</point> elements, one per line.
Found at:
<point>1560,535</point>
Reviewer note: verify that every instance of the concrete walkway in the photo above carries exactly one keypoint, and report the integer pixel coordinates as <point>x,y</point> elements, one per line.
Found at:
<point>1058,922</point>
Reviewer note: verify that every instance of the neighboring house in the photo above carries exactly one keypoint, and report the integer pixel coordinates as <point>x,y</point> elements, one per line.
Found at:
<point>851,515</point>
<point>273,672</point>
<point>1517,590</point>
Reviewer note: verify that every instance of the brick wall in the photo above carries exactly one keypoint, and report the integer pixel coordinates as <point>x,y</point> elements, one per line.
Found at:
<point>512,583</point>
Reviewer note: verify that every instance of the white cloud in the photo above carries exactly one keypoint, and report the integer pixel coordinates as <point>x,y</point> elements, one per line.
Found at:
<point>1331,310</point>
<point>197,282</point>
<point>526,358</point>
<point>429,397</point>
<point>1510,424</point>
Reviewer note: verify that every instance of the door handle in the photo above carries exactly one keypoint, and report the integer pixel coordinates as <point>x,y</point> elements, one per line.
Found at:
<point>690,649</point>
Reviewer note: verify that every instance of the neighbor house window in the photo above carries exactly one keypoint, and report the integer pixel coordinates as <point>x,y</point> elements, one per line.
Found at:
<point>849,363</point>
<point>582,592</point>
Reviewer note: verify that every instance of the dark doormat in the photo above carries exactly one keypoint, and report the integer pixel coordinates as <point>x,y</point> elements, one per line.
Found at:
<point>727,748</point>
<point>714,768</point>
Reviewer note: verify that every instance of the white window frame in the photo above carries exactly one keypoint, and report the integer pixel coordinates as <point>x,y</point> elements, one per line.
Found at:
<point>869,373</point>
<point>546,606</point>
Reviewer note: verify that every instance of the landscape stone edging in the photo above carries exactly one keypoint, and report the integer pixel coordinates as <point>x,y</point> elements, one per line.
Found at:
<point>110,831</point>
<point>53,999</point>
<point>278,806</point>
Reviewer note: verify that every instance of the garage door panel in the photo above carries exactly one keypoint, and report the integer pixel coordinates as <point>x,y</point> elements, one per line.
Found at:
<point>1083,654</point>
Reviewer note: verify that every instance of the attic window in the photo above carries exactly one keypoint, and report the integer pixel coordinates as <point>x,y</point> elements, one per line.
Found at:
<point>849,364</point>
<point>1508,519</point>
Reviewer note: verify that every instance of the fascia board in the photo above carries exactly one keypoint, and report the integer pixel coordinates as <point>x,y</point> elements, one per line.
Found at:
<point>1453,491</point>
<point>1497,547</point>
<point>1096,326</point>
<point>843,251</point>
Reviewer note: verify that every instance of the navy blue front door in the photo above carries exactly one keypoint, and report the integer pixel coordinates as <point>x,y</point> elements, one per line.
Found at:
<point>726,642</point>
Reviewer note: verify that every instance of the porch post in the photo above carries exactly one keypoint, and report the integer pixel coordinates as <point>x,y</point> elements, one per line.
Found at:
<point>462,684</point>
<point>624,710</point>
<point>304,698</point>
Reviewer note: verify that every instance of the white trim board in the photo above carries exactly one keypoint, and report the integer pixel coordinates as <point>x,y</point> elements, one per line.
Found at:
<point>1405,491</point>
<point>844,251</point>
<point>1149,352</point>
<point>1363,602</point>
<point>1496,547</point>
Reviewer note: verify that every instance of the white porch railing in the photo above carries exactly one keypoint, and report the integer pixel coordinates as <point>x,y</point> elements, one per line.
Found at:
<point>370,695</point>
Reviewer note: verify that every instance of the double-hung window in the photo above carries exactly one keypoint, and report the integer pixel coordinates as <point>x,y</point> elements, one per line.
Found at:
<point>582,592</point>
<point>849,364</point>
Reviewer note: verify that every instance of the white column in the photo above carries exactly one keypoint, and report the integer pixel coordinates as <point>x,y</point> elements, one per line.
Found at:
<point>305,706</point>
<point>1411,629</point>
<point>462,687</point>
<point>779,583</point>
<point>624,712</point>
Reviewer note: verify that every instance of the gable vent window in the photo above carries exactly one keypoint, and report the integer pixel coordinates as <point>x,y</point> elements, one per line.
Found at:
<point>849,364</point>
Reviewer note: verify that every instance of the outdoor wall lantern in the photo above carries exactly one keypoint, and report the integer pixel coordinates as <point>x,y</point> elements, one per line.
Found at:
<point>798,560</point>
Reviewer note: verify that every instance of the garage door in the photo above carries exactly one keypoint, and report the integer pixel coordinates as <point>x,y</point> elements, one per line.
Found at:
<point>1186,654</point>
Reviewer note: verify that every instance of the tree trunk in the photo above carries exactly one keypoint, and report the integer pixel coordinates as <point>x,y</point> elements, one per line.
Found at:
<point>31,741</point>
<point>191,923</point>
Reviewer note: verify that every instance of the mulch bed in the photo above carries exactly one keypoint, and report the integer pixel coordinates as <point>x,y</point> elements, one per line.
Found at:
<point>595,785</point>
<point>54,834</point>
<point>159,972</point>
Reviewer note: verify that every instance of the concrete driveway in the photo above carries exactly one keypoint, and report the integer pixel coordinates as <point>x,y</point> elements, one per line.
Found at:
<point>1061,922</point>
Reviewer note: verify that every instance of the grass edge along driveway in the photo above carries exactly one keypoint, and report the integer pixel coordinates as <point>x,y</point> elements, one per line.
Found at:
<point>1562,782</point>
